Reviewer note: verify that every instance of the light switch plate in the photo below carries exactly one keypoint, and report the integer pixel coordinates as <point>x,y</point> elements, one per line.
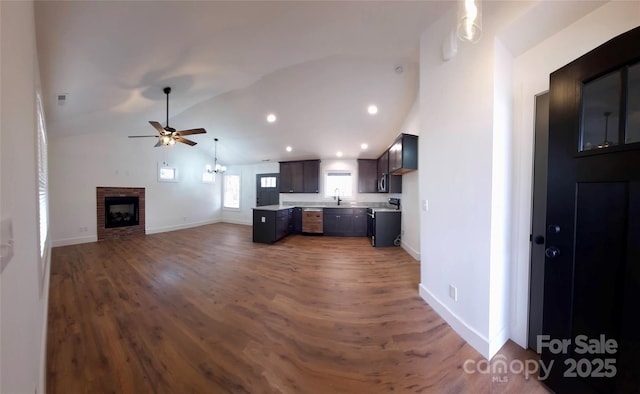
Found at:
<point>6,242</point>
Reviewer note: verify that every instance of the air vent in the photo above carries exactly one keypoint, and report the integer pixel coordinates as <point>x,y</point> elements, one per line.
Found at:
<point>62,98</point>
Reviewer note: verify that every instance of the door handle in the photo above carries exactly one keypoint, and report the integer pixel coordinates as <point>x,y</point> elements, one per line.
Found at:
<point>552,252</point>
<point>538,240</point>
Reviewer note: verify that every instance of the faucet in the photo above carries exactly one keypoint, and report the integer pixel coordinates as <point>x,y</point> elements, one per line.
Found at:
<point>337,195</point>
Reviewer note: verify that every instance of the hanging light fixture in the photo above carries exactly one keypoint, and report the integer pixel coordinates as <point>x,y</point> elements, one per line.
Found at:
<point>469,20</point>
<point>217,168</point>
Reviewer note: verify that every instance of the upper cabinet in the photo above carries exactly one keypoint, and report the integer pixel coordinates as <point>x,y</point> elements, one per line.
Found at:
<point>311,176</point>
<point>300,176</point>
<point>403,154</point>
<point>367,176</point>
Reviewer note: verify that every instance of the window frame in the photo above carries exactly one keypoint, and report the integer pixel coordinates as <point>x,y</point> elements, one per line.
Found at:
<point>224,192</point>
<point>165,165</point>
<point>328,191</point>
<point>42,192</point>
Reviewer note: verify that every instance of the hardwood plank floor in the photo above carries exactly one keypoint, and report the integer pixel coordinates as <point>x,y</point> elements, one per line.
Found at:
<point>205,310</point>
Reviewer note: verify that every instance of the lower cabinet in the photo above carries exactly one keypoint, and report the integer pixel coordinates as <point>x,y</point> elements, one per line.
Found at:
<point>296,220</point>
<point>270,226</point>
<point>359,223</point>
<point>345,222</point>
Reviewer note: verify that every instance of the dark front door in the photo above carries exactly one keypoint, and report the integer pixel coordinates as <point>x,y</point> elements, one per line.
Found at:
<point>267,189</point>
<point>591,323</point>
<point>539,217</point>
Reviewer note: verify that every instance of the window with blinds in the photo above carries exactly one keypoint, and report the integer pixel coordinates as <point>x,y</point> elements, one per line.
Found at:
<point>43,180</point>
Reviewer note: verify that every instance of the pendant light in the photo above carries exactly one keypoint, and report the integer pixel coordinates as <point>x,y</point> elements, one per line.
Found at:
<point>469,20</point>
<point>218,169</point>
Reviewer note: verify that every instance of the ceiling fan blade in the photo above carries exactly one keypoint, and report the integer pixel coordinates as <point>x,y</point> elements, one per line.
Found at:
<point>157,126</point>
<point>190,131</point>
<point>185,141</point>
<point>157,144</point>
<point>142,136</point>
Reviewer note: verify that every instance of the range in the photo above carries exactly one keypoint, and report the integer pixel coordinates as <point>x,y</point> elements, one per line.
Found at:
<point>383,224</point>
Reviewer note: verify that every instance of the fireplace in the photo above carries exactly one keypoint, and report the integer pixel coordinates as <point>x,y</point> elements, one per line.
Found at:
<point>120,212</point>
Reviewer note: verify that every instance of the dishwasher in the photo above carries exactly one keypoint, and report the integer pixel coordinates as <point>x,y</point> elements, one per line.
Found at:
<point>312,221</point>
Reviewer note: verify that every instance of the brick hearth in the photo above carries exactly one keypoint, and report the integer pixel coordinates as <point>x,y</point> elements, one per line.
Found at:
<point>119,232</point>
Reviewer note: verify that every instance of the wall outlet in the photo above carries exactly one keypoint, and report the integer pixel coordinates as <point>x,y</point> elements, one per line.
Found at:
<point>453,292</point>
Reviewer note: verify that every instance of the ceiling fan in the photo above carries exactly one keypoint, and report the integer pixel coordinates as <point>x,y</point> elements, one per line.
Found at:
<point>169,135</point>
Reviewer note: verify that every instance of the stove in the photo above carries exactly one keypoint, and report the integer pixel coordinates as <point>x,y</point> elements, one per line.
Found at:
<point>383,224</point>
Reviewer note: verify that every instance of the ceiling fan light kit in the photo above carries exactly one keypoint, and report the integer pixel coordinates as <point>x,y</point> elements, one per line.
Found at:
<point>168,136</point>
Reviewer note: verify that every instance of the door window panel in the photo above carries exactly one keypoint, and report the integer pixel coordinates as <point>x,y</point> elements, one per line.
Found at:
<point>268,181</point>
<point>600,112</point>
<point>633,105</point>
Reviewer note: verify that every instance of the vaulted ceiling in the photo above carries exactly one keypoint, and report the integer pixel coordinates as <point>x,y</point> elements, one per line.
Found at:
<point>316,65</point>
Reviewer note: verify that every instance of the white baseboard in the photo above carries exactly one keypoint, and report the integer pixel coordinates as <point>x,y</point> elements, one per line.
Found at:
<point>468,333</point>
<point>74,241</point>
<point>181,226</point>
<point>410,250</point>
<point>233,221</point>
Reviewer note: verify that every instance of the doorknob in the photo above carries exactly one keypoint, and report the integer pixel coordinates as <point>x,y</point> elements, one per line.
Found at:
<point>539,240</point>
<point>552,252</point>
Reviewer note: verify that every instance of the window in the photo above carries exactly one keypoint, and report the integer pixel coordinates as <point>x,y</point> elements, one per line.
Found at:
<point>43,181</point>
<point>338,183</point>
<point>231,191</point>
<point>268,181</point>
<point>166,173</point>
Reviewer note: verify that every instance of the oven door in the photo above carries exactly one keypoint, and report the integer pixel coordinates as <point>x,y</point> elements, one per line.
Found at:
<point>371,226</point>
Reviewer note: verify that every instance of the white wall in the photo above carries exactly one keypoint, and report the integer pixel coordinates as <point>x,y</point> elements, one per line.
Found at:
<point>476,156</point>
<point>455,182</point>
<point>531,76</point>
<point>82,162</point>
<point>410,201</point>
<point>24,287</point>
<point>247,173</point>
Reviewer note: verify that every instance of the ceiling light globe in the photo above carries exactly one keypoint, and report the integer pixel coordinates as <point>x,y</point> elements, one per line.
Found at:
<point>289,149</point>
<point>271,118</point>
<point>364,146</point>
<point>372,110</point>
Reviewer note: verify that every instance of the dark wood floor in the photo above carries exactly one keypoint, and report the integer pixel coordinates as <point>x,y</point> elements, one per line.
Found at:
<point>205,310</point>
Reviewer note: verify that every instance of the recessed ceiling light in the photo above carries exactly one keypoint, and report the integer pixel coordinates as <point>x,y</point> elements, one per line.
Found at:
<point>339,154</point>
<point>364,146</point>
<point>289,149</point>
<point>271,118</point>
<point>372,109</point>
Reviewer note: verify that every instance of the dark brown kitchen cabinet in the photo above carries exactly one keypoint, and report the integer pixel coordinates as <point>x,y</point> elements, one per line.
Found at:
<point>359,223</point>
<point>345,222</point>
<point>300,176</point>
<point>296,220</point>
<point>403,154</point>
<point>311,175</point>
<point>270,226</point>
<point>367,176</point>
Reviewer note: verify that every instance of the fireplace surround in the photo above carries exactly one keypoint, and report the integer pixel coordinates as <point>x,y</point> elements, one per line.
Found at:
<point>120,212</point>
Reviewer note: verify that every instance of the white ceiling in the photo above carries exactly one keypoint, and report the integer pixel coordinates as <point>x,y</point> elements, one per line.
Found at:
<point>316,65</point>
